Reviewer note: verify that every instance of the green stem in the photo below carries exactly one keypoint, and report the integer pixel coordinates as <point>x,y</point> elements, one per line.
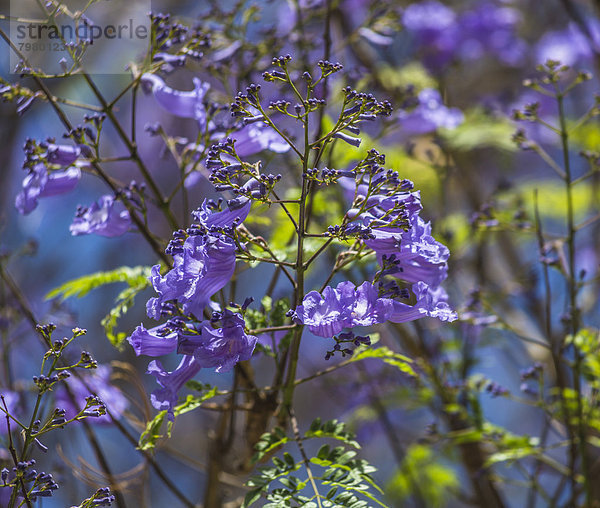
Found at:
<point>574,314</point>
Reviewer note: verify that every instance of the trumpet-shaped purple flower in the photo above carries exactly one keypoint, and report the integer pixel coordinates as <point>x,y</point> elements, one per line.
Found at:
<point>157,341</point>
<point>41,183</point>
<point>64,155</point>
<point>186,104</point>
<point>430,114</point>
<point>418,255</point>
<point>219,348</point>
<point>202,265</point>
<point>203,268</point>
<point>92,382</point>
<point>171,382</point>
<point>431,301</point>
<point>348,306</point>
<point>101,218</point>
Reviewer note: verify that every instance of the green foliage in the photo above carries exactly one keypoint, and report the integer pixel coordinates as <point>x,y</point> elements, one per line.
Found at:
<point>551,198</point>
<point>152,433</point>
<point>81,286</point>
<point>137,280</point>
<point>273,315</point>
<point>334,477</point>
<point>479,130</point>
<point>401,362</point>
<point>424,475</point>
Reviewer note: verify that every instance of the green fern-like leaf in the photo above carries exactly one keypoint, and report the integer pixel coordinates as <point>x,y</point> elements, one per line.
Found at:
<point>81,286</point>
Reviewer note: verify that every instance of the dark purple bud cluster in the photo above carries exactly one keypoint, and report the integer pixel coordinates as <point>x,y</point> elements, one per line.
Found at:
<point>328,67</point>
<point>485,217</point>
<point>23,97</point>
<point>532,372</point>
<point>165,33</point>
<point>94,407</point>
<point>102,497</point>
<point>495,390</point>
<point>243,101</point>
<point>368,107</point>
<point>530,112</point>
<point>520,139</point>
<point>350,339</point>
<point>391,289</point>
<point>154,129</point>
<point>82,135</point>
<point>281,106</point>
<point>58,417</point>
<point>95,119</point>
<point>44,383</point>
<point>352,230</point>
<point>326,176</point>
<point>42,484</point>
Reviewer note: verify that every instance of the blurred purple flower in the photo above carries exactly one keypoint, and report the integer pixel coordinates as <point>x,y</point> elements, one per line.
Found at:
<point>569,46</point>
<point>434,27</point>
<point>41,183</point>
<point>444,36</point>
<point>93,382</point>
<point>171,382</point>
<point>430,114</point>
<point>186,104</point>
<point>101,218</point>
<point>491,29</point>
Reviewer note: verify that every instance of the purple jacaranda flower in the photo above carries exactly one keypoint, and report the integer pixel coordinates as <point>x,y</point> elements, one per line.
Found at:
<point>419,256</point>
<point>64,155</point>
<point>219,348</point>
<point>101,218</point>
<point>171,382</point>
<point>346,306</point>
<point>92,382</point>
<point>204,267</point>
<point>157,341</point>
<point>431,114</point>
<point>12,400</point>
<point>231,215</point>
<point>41,183</point>
<point>328,314</point>
<point>186,104</point>
<point>431,301</point>
<point>322,314</point>
<point>256,137</point>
